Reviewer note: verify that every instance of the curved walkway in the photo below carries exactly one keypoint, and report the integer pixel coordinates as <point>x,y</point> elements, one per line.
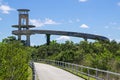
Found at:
<point>48,72</point>
<point>66,33</point>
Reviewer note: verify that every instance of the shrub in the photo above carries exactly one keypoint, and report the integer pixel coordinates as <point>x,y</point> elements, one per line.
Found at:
<point>13,62</point>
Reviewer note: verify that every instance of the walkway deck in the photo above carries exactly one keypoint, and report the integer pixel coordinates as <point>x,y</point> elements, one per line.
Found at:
<point>48,72</point>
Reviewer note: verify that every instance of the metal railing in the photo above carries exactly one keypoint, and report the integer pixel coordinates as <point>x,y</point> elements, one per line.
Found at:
<point>34,77</point>
<point>95,73</point>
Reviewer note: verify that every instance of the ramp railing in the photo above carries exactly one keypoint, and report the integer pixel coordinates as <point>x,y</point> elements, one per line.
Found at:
<point>34,76</point>
<point>95,73</point>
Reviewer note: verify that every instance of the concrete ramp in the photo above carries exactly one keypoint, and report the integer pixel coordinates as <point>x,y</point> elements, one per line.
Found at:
<point>48,72</point>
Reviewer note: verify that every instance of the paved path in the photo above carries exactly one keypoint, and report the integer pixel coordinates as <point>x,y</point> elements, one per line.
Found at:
<point>48,72</point>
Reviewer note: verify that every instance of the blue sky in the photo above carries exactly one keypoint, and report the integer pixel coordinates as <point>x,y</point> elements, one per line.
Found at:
<point>100,17</point>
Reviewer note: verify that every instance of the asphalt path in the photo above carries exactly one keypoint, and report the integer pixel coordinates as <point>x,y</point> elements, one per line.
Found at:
<point>48,72</point>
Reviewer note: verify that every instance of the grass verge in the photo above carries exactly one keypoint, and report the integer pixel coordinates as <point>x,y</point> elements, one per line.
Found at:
<point>80,75</point>
<point>30,73</point>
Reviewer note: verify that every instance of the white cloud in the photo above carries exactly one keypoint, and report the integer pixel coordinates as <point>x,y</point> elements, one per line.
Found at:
<point>39,23</point>
<point>84,26</point>
<point>63,38</point>
<point>49,21</point>
<point>77,20</point>
<point>0,19</point>
<point>82,0</point>
<point>118,40</point>
<point>106,27</point>
<point>118,3</point>
<point>113,23</point>
<point>5,9</point>
<point>32,44</point>
<point>70,21</point>
<point>73,21</point>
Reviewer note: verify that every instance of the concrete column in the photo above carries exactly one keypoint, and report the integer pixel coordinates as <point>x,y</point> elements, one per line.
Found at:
<point>85,39</point>
<point>19,37</point>
<point>48,39</point>
<point>27,40</point>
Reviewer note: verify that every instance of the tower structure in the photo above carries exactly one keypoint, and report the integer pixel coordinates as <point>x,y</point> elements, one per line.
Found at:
<point>23,24</point>
<point>24,29</point>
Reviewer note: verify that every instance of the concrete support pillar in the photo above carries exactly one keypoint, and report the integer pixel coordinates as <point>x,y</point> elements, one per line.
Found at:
<point>27,40</point>
<point>48,39</point>
<point>19,37</point>
<point>85,39</point>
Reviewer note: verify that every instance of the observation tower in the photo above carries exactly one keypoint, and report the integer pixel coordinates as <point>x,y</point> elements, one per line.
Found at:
<point>23,24</point>
<point>24,29</point>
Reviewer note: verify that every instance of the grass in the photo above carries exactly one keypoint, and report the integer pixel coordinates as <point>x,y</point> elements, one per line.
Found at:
<point>80,75</point>
<point>30,73</point>
<point>30,76</point>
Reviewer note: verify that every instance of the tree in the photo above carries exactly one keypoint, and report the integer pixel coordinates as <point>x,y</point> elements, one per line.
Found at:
<point>98,54</point>
<point>9,39</point>
<point>67,56</point>
<point>13,61</point>
<point>12,39</point>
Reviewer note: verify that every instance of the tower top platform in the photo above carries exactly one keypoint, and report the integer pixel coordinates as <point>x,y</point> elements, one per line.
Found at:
<point>23,10</point>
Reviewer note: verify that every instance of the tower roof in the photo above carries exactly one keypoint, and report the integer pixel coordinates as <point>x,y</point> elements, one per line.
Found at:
<point>23,10</point>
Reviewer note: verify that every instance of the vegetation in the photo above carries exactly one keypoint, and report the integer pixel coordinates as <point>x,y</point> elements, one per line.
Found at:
<point>14,60</point>
<point>15,56</point>
<point>103,54</point>
<point>30,73</point>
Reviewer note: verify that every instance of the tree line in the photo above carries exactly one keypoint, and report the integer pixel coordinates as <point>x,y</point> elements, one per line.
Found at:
<point>15,56</point>
<point>99,54</point>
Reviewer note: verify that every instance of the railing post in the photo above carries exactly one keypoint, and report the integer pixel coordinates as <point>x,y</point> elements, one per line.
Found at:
<point>96,74</point>
<point>107,75</point>
<point>88,72</point>
<point>62,64</point>
<point>72,67</point>
<point>58,63</point>
<point>81,69</point>
<point>69,65</point>
<point>65,65</point>
<point>76,69</point>
<point>55,62</point>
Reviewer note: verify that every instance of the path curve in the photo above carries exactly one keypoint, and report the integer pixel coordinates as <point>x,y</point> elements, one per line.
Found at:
<point>48,72</point>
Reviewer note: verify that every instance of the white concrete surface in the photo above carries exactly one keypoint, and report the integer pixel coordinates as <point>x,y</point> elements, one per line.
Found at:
<point>48,72</point>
